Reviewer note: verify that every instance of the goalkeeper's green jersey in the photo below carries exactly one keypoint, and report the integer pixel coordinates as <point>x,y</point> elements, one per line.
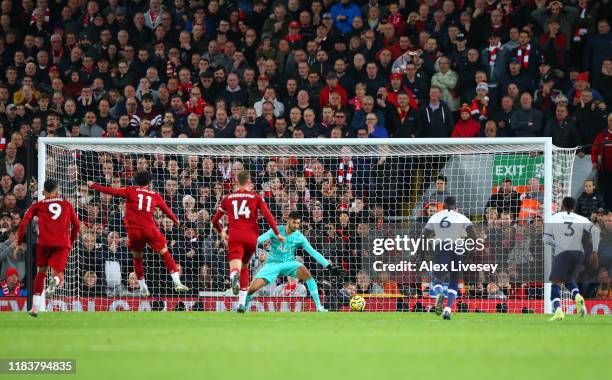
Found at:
<point>281,252</point>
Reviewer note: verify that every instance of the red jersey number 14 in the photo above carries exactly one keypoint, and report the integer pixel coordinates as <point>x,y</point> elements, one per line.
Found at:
<point>243,210</point>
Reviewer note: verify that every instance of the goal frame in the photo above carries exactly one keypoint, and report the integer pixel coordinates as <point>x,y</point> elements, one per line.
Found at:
<point>543,143</point>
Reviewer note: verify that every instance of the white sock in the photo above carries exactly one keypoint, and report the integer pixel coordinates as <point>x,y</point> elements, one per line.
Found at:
<point>175,278</point>
<point>57,280</point>
<point>36,301</point>
<point>142,283</point>
<point>242,297</point>
<point>41,303</point>
<point>447,309</point>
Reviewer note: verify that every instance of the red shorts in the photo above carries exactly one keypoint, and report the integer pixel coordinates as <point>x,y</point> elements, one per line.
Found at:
<point>55,257</point>
<point>139,238</point>
<point>242,249</point>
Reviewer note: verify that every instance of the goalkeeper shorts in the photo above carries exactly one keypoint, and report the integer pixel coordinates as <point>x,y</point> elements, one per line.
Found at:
<point>269,272</point>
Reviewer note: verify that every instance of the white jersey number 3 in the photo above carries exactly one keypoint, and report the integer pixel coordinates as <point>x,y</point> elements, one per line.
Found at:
<point>242,210</point>
<point>56,210</point>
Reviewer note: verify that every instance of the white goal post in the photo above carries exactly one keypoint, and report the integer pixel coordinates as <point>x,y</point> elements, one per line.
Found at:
<point>363,188</point>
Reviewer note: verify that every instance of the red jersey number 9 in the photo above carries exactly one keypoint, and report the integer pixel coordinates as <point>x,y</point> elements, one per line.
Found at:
<point>56,210</point>
<point>242,210</point>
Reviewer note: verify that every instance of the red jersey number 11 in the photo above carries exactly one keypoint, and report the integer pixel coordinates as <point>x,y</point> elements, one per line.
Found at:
<point>242,210</point>
<point>141,198</point>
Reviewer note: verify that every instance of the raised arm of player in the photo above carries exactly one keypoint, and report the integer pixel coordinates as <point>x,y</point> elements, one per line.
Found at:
<point>549,238</point>
<point>263,207</point>
<point>167,210</point>
<point>27,218</point>
<point>333,270</point>
<point>595,236</point>
<point>269,234</point>
<point>313,252</point>
<point>427,233</point>
<point>217,217</point>
<point>471,231</point>
<point>119,192</point>
<point>76,224</point>
<point>595,233</point>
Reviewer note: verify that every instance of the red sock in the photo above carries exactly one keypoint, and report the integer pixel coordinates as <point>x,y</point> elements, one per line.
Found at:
<point>39,283</point>
<point>138,268</point>
<point>170,264</point>
<point>244,278</point>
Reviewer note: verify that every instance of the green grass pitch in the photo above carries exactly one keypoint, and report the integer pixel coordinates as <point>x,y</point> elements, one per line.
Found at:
<point>196,345</point>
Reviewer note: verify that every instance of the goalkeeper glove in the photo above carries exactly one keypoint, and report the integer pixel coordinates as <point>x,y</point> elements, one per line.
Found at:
<point>335,271</point>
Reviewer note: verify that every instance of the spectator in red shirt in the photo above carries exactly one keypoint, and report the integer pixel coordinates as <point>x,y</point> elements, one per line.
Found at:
<point>332,85</point>
<point>554,44</point>
<point>466,126</point>
<point>10,286</point>
<point>112,130</point>
<point>481,102</point>
<point>395,87</point>
<point>196,103</point>
<point>294,37</point>
<point>601,156</point>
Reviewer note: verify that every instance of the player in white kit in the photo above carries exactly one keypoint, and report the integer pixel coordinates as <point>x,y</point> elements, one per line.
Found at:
<point>565,231</point>
<point>447,225</point>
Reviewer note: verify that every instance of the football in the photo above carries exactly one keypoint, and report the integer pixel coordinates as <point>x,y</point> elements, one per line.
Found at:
<point>358,303</point>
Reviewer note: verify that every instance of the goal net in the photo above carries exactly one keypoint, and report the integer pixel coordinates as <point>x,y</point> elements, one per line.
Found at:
<point>357,198</point>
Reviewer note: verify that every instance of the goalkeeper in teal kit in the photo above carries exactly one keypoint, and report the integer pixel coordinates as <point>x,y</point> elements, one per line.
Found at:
<point>281,261</point>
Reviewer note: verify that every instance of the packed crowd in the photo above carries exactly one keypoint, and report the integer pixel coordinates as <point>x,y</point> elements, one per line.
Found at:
<point>292,69</point>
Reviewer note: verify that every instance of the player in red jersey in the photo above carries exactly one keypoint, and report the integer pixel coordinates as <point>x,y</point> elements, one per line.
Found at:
<point>241,208</point>
<point>55,237</point>
<point>140,204</point>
